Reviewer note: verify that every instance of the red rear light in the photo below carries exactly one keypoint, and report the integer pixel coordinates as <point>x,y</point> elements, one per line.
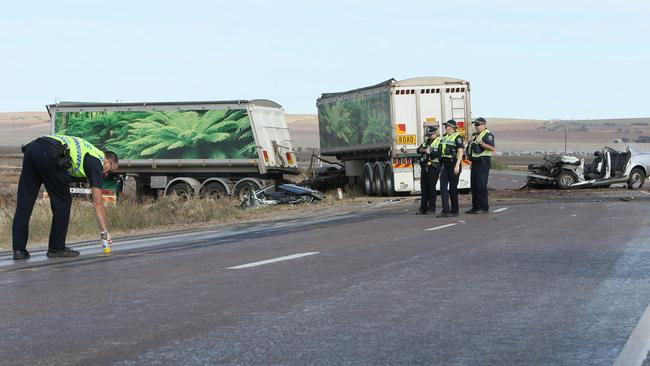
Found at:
<point>289,158</point>
<point>266,155</point>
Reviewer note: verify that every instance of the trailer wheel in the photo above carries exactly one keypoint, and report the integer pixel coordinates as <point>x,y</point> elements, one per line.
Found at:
<point>214,191</point>
<point>565,179</point>
<point>144,193</point>
<point>389,180</point>
<point>179,189</point>
<point>637,178</point>
<point>378,180</point>
<point>367,181</point>
<point>243,190</point>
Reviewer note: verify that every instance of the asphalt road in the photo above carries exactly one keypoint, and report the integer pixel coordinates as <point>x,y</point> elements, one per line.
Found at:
<point>500,179</point>
<point>543,284</point>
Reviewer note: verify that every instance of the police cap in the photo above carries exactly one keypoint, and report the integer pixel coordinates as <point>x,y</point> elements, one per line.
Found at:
<point>479,121</point>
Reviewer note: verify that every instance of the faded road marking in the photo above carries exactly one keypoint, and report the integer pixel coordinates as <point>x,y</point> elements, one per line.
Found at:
<point>279,259</point>
<point>441,227</point>
<point>500,209</point>
<point>637,346</point>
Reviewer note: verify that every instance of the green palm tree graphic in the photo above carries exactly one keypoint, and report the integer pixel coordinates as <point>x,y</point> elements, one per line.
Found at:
<point>212,134</point>
<point>359,120</point>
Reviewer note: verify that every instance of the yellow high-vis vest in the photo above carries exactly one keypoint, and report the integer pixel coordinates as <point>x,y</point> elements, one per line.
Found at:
<point>78,150</point>
<point>449,140</point>
<point>485,152</point>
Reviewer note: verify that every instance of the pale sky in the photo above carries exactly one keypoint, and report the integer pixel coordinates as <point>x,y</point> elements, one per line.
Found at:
<point>551,59</point>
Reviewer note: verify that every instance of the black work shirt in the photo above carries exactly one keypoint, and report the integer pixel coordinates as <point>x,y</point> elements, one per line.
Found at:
<point>94,171</point>
<point>489,139</point>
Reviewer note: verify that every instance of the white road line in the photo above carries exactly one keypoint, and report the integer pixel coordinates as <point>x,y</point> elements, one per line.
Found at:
<point>637,346</point>
<point>279,259</point>
<point>500,209</point>
<point>441,227</point>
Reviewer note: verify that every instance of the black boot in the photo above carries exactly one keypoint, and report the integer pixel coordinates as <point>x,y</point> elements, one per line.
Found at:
<point>62,253</point>
<point>21,254</point>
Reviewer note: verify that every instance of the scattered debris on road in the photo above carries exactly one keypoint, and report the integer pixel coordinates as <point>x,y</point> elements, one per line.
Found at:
<point>283,194</point>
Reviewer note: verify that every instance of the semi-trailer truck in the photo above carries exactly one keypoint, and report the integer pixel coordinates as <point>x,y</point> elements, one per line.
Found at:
<point>213,148</point>
<point>376,130</point>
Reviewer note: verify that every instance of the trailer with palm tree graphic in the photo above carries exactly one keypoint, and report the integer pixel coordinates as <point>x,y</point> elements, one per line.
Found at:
<point>187,148</point>
<point>376,130</point>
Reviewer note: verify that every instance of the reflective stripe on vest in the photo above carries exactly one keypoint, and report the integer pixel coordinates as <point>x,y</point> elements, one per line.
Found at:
<point>78,150</point>
<point>449,140</point>
<point>485,152</point>
<point>435,147</point>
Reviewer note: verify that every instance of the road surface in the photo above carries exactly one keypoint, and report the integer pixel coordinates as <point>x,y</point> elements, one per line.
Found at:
<point>555,283</point>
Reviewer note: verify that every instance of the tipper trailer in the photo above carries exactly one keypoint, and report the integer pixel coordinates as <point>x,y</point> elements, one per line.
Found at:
<point>186,148</point>
<point>376,130</point>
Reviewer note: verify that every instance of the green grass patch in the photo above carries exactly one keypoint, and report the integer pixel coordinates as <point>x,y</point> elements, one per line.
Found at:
<point>497,164</point>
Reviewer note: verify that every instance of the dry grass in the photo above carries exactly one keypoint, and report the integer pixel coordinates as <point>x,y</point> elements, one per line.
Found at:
<point>123,218</point>
<point>168,214</point>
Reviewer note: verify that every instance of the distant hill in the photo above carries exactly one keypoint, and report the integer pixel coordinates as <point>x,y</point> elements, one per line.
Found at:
<point>609,122</point>
<point>301,118</point>
<point>17,128</point>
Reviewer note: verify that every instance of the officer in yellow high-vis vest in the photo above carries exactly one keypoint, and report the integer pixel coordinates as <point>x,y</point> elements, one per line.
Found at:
<point>452,156</point>
<point>429,152</point>
<point>480,154</point>
<point>52,160</point>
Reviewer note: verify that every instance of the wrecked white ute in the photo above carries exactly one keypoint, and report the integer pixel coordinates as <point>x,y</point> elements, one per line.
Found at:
<point>608,167</point>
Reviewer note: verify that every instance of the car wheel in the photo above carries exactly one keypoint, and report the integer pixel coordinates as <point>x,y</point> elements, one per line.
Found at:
<point>565,179</point>
<point>637,178</point>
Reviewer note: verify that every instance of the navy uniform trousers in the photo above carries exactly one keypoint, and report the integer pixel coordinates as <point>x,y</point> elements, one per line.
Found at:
<point>479,181</point>
<point>449,185</point>
<point>428,180</point>
<point>40,166</point>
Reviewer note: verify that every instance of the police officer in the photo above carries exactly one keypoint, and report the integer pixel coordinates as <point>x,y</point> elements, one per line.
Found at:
<point>53,160</point>
<point>480,154</point>
<point>429,152</point>
<point>451,157</point>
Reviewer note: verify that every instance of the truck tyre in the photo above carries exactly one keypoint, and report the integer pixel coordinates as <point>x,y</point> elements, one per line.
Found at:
<point>637,178</point>
<point>214,191</point>
<point>180,189</point>
<point>565,179</point>
<point>389,180</point>
<point>368,186</point>
<point>144,193</point>
<point>378,180</point>
<point>243,190</point>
